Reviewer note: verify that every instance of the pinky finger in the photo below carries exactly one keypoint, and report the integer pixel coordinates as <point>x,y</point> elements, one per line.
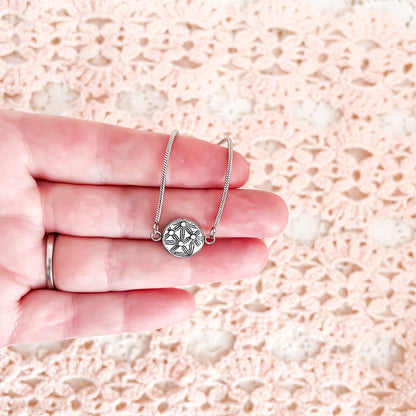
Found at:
<point>47,315</point>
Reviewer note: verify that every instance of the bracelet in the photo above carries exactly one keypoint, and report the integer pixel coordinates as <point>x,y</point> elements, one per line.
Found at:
<point>183,237</point>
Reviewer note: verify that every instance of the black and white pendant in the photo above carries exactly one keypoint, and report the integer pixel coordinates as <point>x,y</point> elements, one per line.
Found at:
<point>182,238</point>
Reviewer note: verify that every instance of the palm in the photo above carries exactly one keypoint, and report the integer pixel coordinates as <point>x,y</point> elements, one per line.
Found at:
<point>97,185</point>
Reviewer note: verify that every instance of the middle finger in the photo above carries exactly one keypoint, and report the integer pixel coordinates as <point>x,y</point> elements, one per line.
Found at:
<point>129,211</point>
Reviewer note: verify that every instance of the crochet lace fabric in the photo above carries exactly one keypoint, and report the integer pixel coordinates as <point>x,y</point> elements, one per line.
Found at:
<point>320,97</point>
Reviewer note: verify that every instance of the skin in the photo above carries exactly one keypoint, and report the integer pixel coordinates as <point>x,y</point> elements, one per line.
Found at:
<point>98,186</point>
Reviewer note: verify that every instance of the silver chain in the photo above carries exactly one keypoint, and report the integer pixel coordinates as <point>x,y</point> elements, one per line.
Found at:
<point>210,237</point>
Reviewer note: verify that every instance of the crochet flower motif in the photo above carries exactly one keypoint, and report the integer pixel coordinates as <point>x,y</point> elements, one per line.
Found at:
<point>229,104</point>
<point>183,238</point>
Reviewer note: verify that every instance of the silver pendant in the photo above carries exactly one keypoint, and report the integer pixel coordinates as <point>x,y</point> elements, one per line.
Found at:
<point>182,238</point>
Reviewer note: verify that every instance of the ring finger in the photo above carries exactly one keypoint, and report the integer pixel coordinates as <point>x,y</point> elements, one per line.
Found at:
<point>95,264</point>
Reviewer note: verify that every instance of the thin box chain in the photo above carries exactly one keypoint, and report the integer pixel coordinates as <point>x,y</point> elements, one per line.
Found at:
<point>210,237</point>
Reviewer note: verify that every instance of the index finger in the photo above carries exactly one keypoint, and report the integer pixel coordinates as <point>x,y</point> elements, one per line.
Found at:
<point>69,150</point>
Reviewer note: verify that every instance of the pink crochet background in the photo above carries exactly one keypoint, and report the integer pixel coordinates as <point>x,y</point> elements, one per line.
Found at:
<point>320,96</point>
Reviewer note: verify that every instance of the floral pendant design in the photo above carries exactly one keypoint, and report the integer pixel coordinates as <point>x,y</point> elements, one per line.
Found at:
<point>182,238</point>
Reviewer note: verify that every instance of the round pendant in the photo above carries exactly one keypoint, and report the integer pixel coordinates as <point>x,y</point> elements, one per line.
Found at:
<point>182,238</point>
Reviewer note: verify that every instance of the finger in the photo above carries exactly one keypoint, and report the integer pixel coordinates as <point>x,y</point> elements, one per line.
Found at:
<point>105,264</point>
<point>46,315</point>
<point>116,211</point>
<point>69,150</point>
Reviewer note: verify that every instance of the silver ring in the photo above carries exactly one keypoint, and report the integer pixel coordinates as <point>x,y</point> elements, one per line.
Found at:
<point>50,242</point>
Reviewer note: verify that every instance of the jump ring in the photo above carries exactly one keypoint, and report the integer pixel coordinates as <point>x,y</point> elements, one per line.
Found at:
<point>210,239</point>
<point>154,234</point>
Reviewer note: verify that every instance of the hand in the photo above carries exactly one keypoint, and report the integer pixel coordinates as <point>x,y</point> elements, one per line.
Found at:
<point>97,185</point>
